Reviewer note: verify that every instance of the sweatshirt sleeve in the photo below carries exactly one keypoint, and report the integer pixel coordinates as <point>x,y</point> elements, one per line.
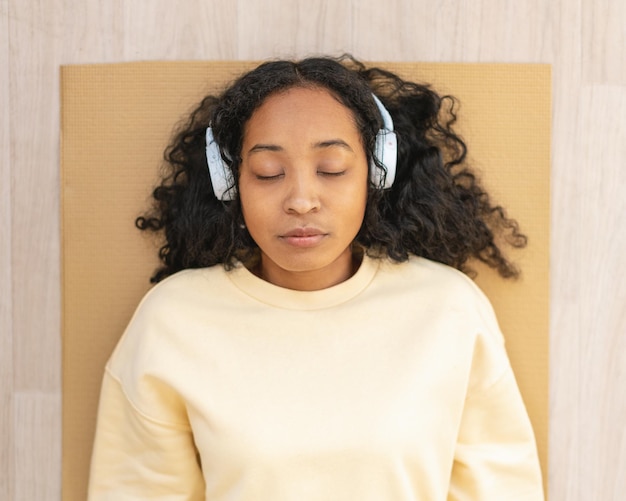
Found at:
<point>496,454</point>
<point>136,457</point>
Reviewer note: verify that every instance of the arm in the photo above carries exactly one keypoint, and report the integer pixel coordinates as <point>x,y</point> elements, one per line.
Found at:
<point>136,457</point>
<point>496,456</point>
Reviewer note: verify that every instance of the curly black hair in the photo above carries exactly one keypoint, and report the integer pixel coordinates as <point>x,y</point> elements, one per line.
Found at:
<point>436,207</point>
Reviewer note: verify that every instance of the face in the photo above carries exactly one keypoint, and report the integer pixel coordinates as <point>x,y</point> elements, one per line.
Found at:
<point>303,188</point>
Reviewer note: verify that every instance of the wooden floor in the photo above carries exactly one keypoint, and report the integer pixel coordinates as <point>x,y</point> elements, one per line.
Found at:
<point>584,40</point>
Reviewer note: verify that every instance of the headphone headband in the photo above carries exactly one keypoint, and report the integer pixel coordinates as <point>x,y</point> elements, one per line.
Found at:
<point>385,154</point>
<point>387,120</point>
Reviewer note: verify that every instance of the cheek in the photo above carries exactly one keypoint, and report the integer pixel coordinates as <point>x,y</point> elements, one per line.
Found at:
<point>353,208</point>
<point>360,213</point>
<point>359,195</point>
<point>259,214</point>
<point>253,214</point>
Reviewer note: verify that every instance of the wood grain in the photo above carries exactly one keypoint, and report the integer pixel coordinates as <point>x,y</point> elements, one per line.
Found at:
<point>585,42</point>
<point>602,413</point>
<point>604,42</point>
<point>455,31</point>
<point>94,32</point>
<point>35,40</point>
<point>564,465</point>
<point>194,30</point>
<point>272,29</point>
<point>7,463</point>
<point>37,457</point>
<point>399,30</point>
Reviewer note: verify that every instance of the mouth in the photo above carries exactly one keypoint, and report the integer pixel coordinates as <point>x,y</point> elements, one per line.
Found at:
<point>303,237</point>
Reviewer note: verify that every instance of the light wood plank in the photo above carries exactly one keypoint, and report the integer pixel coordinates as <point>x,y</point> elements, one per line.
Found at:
<point>491,31</point>
<point>510,31</point>
<point>564,476</point>
<point>38,458</point>
<point>162,29</point>
<point>271,28</point>
<point>35,34</point>
<point>93,32</point>
<point>7,456</point>
<point>451,30</point>
<point>398,30</point>
<point>565,327</point>
<point>602,443</point>
<point>604,41</point>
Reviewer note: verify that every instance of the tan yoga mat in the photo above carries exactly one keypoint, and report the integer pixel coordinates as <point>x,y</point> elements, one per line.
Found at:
<point>117,120</point>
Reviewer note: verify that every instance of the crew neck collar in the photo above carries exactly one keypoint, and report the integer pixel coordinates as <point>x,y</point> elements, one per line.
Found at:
<point>289,299</point>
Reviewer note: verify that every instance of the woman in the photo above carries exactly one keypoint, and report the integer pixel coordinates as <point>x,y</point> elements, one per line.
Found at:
<point>313,339</point>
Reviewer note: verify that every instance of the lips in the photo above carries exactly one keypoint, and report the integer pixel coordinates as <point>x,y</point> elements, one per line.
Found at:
<point>303,237</point>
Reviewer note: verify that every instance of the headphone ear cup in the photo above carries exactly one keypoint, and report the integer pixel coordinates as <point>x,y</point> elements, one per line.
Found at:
<point>221,175</point>
<point>386,152</point>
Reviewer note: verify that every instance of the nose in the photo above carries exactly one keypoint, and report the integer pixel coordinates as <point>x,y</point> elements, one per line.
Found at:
<point>302,194</point>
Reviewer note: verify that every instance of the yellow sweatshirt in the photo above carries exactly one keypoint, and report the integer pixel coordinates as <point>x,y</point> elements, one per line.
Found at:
<point>391,386</point>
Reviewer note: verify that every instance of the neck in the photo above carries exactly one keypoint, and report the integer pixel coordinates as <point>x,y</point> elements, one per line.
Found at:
<point>309,280</point>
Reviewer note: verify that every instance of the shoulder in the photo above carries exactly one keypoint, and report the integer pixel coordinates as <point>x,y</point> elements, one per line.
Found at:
<point>437,288</point>
<point>188,280</point>
<point>173,306</point>
<point>424,275</point>
<point>184,292</point>
<point>447,294</point>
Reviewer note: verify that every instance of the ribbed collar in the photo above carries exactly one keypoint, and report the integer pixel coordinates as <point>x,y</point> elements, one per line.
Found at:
<point>280,297</point>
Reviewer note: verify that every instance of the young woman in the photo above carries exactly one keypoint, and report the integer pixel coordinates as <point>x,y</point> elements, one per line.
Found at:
<point>313,339</point>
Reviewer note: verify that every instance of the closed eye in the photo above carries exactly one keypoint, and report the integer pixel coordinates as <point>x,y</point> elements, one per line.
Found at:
<point>268,178</point>
<point>331,174</point>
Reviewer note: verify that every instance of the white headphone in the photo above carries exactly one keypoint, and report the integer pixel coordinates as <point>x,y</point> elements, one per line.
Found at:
<point>385,152</point>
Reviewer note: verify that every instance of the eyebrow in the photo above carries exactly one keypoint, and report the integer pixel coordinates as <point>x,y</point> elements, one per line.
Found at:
<point>333,142</point>
<point>329,143</point>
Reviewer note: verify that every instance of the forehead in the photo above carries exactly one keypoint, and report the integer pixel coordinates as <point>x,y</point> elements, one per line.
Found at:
<point>301,108</point>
